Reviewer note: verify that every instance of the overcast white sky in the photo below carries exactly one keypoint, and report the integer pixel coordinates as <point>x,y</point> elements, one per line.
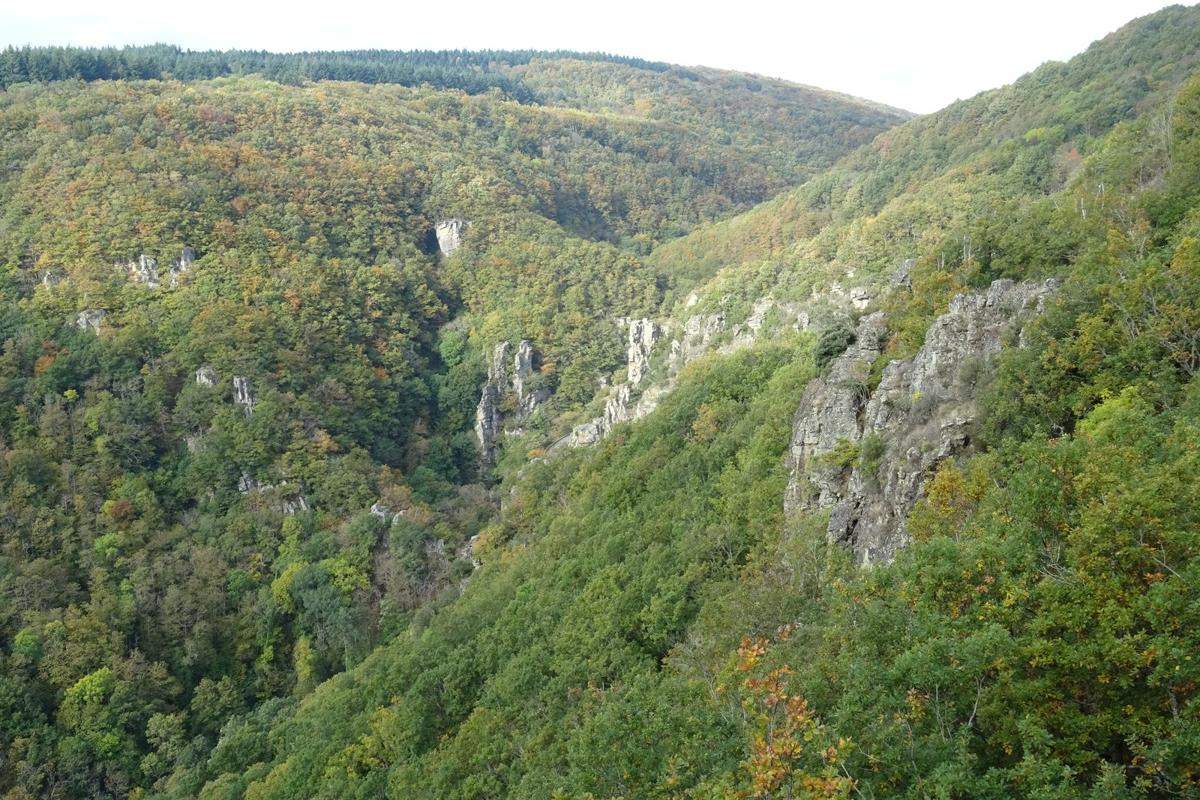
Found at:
<point>919,55</point>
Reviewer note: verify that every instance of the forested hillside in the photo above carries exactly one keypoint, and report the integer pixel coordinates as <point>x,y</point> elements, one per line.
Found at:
<point>237,342</point>
<point>251,547</point>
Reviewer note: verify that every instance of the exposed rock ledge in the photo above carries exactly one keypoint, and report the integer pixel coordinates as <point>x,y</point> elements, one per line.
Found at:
<point>922,412</point>
<point>699,335</point>
<point>489,414</point>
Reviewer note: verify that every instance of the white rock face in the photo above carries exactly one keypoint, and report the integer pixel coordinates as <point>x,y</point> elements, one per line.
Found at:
<point>450,234</point>
<point>923,412</point>
<point>143,270</point>
<point>243,395</point>
<point>206,376</point>
<point>643,334</point>
<point>50,278</point>
<point>292,502</point>
<point>90,319</point>
<point>181,266</point>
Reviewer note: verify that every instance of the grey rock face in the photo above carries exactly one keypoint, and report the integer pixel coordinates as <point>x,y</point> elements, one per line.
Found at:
<point>488,416</point>
<point>643,334</point>
<point>50,278</point>
<point>380,511</point>
<point>922,412</point>
<point>828,414</point>
<point>286,498</point>
<point>698,334</point>
<point>450,234</point>
<point>206,376</point>
<point>528,398</point>
<point>144,271</point>
<point>291,501</point>
<point>90,319</point>
<point>246,484</point>
<point>243,395</point>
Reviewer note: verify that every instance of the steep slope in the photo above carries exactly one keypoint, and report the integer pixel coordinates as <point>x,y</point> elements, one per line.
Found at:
<point>244,328</point>
<point>1026,138</point>
<point>948,200</point>
<point>645,622</point>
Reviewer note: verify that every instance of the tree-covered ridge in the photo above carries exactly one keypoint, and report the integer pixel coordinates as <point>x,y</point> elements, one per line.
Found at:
<point>472,71</point>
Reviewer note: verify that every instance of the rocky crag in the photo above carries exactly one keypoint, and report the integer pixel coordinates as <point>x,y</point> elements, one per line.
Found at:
<point>490,415</point>
<point>866,454</point>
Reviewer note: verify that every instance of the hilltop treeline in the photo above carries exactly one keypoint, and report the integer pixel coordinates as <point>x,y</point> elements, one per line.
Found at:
<point>472,71</point>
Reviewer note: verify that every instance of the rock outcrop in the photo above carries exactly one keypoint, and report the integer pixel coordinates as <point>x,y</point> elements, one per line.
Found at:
<point>181,266</point>
<point>90,319</point>
<point>206,376</point>
<point>243,395</point>
<point>528,396</point>
<point>643,334</point>
<point>828,415</point>
<point>699,331</point>
<point>449,234</point>
<point>618,408</point>
<point>286,498</point>
<point>488,415</point>
<point>867,455</point>
<point>700,334</point>
<point>143,270</point>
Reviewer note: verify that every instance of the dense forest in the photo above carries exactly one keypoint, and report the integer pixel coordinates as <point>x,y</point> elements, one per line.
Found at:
<point>472,71</point>
<point>253,308</point>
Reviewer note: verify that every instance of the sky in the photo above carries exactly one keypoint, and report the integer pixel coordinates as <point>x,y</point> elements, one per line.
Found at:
<point>919,55</point>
